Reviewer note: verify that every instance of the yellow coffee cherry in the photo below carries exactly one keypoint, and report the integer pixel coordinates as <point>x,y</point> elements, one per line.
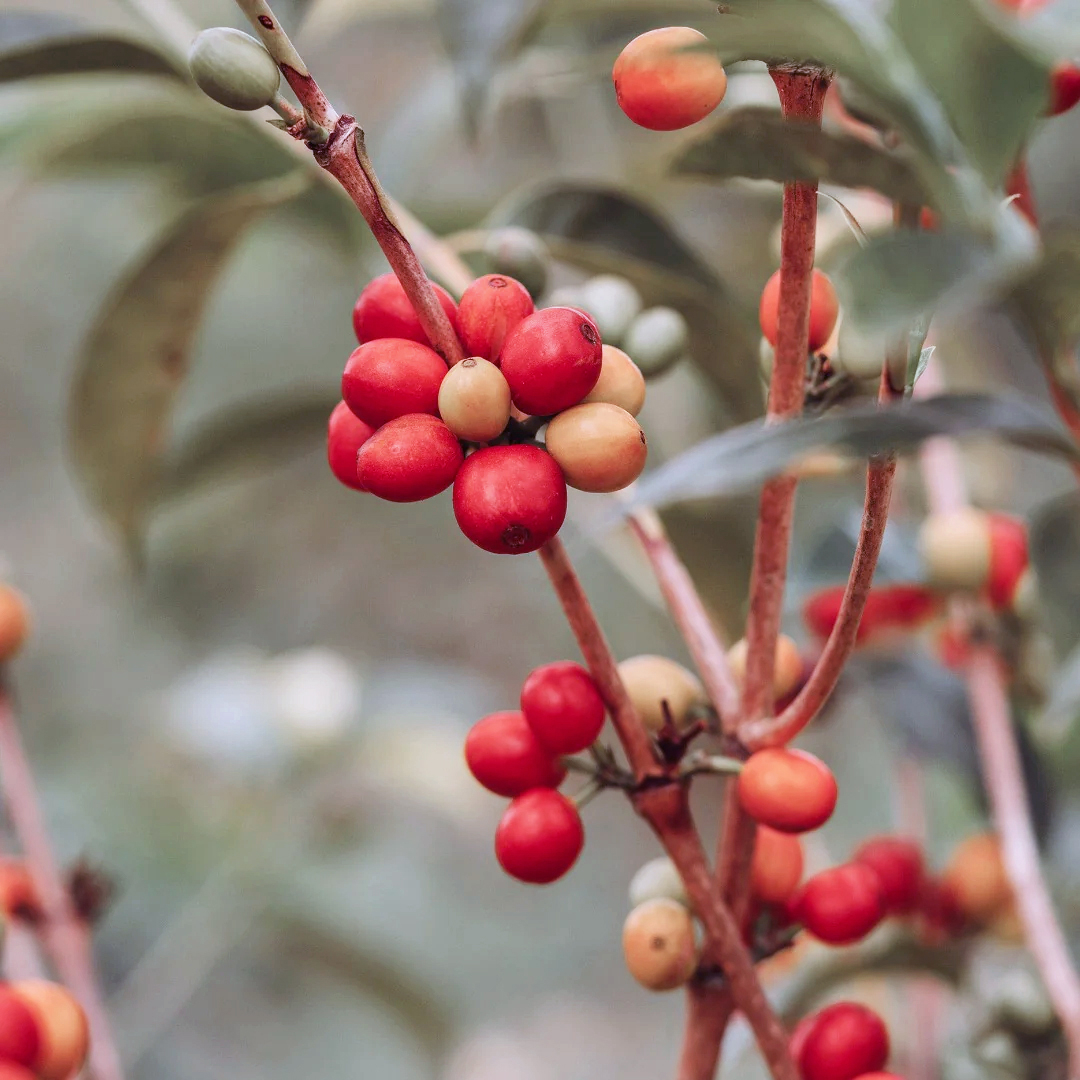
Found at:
<point>621,382</point>
<point>956,549</point>
<point>474,400</point>
<point>598,446</point>
<point>659,944</point>
<point>655,681</point>
<point>787,673</point>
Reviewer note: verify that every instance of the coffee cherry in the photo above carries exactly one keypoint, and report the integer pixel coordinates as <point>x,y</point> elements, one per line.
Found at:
<point>1008,560</point>
<point>474,400</point>
<point>539,837</point>
<point>392,377</point>
<point>613,303</point>
<point>488,310</point>
<point>14,622</point>
<point>621,382</point>
<point>789,790</point>
<point>504,754</point>
<point>19,897</point>
<point>898,864</point>
<point>860,355</point>
<point>551,360</point>
<point>659,945</point>
<point>1064,88</point>
<point>563,707</point>
<point>346,433</point>
<point>824,309</point>
<point>880,1076</point>
<point>510,500</point>
<point>841,905</point>
<point>233,68</point>
<point>664,80</point>
<point>20,1033</point>
<point>409,459</point>
<point>658,879</point>
<point>777,866</point>
<point>787,670</point>
<point>842,1042</point>
<point>521,254</point>
<point>654,683</point>
<point>385,311</point>
<point>10,1071</point>
<point>598,446</point>
<point>65,1034</point>
<point>956,549</point>
<point>940,915</point>
<point>890,609</point>
<point>656,339</point>
<point>976,878</point>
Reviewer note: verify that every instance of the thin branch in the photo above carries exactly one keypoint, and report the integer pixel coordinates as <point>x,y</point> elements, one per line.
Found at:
<point>65,936</point>
<point>708,1011</point>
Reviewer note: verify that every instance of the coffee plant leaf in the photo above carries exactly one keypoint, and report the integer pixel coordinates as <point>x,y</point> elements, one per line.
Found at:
<point>1054,533</point>
<point>1045,298</point>
<point>79,54</point>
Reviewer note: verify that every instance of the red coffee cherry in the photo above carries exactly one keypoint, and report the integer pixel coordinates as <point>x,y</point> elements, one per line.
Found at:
<point>1008,559</point>
<point>19,897</point>
<point>1064,88</point>
<point>346,433</point>
<point>663,83</point>
<point>777,865</point>
<point>551,360</point>
<point>898,863</point>
<point>880,1076</point>
<point>889,608</point>
<point>539,837</point>
<point>20,1034</point>
<point>65,1033</point>
<point>10,1071</point>
<point>841,905</point>
<point>824,309</point>
<point>659,944</point>
<point>409,459</point>
<point>489,309</point>
<point>510,500</point>
<point>563,707</point>
<point>841,1042</point>
<point>14,621</point>
<point>392,377</point>
<point>504,754</point>
<point>789,790</point>
<point>384,311</point>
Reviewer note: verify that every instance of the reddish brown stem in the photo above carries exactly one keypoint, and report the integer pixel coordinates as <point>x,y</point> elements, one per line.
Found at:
<point>686,608</point>
<point>65,936</point>
<point>708,1011</point>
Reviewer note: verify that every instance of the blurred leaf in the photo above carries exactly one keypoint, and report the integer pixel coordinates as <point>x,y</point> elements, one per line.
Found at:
<point>137,354</point>
<point>991,76</point>
<point>759,143</point>
<point>1055,540</point>
<point>1046,298</point>
<point>1062,706</point>
<point>71,55</point>
<point>326,17</point>
<point>742,457</point>
<point>602,230</point>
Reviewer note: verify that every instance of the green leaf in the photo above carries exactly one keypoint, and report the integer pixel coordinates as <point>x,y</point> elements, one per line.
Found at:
<point>760,144</point>
<point>993,86</point>
<point>1046,298</point>
<point>82,54</point>
<point>1054,538</point>
<point>743,457</point>
<point>138,352</point>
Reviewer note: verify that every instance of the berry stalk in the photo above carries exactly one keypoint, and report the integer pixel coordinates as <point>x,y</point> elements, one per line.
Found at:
<point>708,1011</point>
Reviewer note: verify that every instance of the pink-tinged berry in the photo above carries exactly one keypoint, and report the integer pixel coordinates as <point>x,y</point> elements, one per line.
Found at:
<point>504,754</point>
<point>824,309</point>
<point>539,837</point>
<point>409,459</point>
<point>489,309</point>
<point>899,865</point>
<point>776,867</point>
<point>842,905</point>
<point>788,790</point>
<point>598,446</point>
<point>346,433</point>
<point>474,400</point>
<point>65,1032</point>
<point>551,360</point>
<point>510,500</point>
<point>392,377</point>
<point>563,707</point>
<point>665,79</point>
<point>1064,88</point>
<point>384,311</point>
<point>20,1034</point>
<point>842,1042</point>
<point>1008,559</point>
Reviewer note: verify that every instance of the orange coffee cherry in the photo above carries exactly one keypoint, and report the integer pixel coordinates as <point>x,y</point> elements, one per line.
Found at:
<point>654,682</point>
<point>659,944</point>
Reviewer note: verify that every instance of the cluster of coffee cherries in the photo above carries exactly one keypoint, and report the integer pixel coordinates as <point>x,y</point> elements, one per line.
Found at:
<point>408,427</point>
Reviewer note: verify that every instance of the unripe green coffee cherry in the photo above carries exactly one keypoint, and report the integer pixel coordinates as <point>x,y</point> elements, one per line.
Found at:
<point>766,358</point>
<point>520,254</point>
<point>657,880</point>
<point>859,355</point>
<point>657,338</point>
<point>233,68</point>
<point>614,303</point>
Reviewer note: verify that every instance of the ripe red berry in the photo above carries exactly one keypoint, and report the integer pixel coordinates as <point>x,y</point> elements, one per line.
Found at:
<point>19,897</point>
<point>790,790</point>
<point>841,905</point>
<point>1064,88</point>
<point>551,360</point>
<point>384,311</point>
<point>20,1035</point>
<point>392,377</point>
<point>824,309</point>
<point>65,1033</point>
<point>1008,559</point>
<point>842,1042</point>
<point>409,459</point>
<point>14,621</point>
<point>880,1076</point>
<point>663,82</point>
<point>504,754</point>
<point>777,865</point>
<point>489,309</point>
<point>895,608</point>
<point>510,500</point>
<point>563,707</point>
<point>899,865</point>
<point>539,837</point>
<point>346,433</point>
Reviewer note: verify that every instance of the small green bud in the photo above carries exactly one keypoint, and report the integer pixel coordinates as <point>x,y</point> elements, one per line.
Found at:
<point>614,303</point>
<point>520,254</point>
<point>658,879</point>
<point>657,338</point>
<point>233,68</point>
<point>859,355</point>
